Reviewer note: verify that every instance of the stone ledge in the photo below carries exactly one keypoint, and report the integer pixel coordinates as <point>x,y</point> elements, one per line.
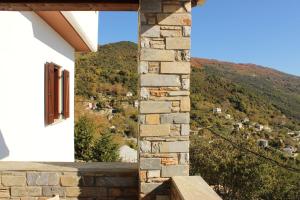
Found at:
<point>191,188</point>
<point>115,167</point>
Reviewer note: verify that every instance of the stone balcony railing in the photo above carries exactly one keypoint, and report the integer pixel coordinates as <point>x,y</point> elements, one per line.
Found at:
<point>88,181</point>
<point>40,181</point>
<point>191,188</point>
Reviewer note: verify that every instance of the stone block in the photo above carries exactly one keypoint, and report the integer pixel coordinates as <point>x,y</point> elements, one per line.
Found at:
<point>184,158</point>
<point>173,8</point>
<point>45,198</point>
<point>155,147</point>
<point>87,181</point>
<point>145,146</point>
<point>116,181</point>
<point>26,191</point>
<point>186,84</point>
<point>115,192</point>
<point>145,42</point>
<point>86,192</point>
<point>147,188</point>
<point>4,192</point>
<point>157,55</point>
<point>152,20</point>
<point>175,103</point>
<point>185,104</point>
<point>68,180</point>
<point>10,180</point>
<point>179,93</point>
<point>178,43</point>
<point>150,31</point>
<point>157,44</point>
<point>175,68</point>
<point>73,191</point>
<point>169,161</point>
<point>170,28</point>
<point>42,178</point>
<point>156,80</point>
<point>186,31</point>
<point>174,147</point>
<point>50,191</point>
<point>130,192</point>
<point>150,163</point>
<point>29,198</point>
<point>150,6</point>
<point>177,118</point>
<point>155,130</point>
<point>171,33</point>
<point>175,170</point>
<point>152,119</point>
<point>143,175</point>
<point>153,67</point>
<point>158,92</point>
<point>144,93</point>
<point>148,107</point>
<point>143,67</point>
<point>153,173</point>
<point>143,19</point>
<point>186,55</point>
<point>142,119</point>
<point>185,129</point>
<point>179,19</point>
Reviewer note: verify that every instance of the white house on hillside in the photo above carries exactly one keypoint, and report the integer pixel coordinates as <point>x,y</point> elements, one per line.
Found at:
<point>37,82</point>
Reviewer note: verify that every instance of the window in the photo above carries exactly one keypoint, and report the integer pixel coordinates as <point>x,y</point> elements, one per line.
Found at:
<point>57,93</point>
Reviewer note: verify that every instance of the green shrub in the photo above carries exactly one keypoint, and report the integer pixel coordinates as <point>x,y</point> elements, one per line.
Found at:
<point>105,149</point>
<point>84,131</point>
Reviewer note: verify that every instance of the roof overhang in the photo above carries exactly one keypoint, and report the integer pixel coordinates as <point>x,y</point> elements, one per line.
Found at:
<point>69,5</point>
<point>75,5</point>
<point>66,29</point>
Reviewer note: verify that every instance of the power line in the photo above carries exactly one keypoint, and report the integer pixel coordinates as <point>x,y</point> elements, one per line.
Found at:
<point>238,146</point>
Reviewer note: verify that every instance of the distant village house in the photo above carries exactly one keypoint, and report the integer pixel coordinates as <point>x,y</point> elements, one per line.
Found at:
<point>263,143</point>
<point>217,110</point>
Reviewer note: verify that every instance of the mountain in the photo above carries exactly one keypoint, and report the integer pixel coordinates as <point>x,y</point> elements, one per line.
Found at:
<point>279,89</point>
<point>112,69</point>
<point>252,103</point>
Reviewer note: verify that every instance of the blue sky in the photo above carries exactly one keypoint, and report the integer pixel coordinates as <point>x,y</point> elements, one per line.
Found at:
<point>264,32</point>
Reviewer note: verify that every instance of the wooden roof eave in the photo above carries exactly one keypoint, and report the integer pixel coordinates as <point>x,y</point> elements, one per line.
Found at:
<point>62,26</point>
<point>74,5</point>
<point>69,5</point>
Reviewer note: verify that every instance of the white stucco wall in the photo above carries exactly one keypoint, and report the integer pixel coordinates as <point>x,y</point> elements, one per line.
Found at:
<point>26,44</point>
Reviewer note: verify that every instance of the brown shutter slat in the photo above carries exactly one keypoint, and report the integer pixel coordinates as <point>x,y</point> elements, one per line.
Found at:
<point>56,93</point>
<point>49,93</point>
<point>66,92</point>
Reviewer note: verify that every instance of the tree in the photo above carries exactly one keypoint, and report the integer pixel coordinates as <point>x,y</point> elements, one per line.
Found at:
<point>236,174</point>
<point>105,149</point>
<point>84,131</point>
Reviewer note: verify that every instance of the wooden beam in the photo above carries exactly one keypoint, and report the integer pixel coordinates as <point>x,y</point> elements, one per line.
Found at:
<point>60,24</point>
<point>69,5</point>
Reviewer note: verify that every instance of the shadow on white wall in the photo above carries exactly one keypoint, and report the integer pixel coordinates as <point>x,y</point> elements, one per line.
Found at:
<point>4,151</point>
<point>46,37</point>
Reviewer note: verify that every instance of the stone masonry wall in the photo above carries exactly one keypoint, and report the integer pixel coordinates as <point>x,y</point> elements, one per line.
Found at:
<point>164,68</point>
<point>42,181</point>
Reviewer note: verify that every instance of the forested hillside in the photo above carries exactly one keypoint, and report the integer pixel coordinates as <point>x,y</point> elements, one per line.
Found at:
<point>234,106</point>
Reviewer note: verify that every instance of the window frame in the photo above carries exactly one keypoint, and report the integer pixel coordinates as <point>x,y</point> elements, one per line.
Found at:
<point>57,93</point>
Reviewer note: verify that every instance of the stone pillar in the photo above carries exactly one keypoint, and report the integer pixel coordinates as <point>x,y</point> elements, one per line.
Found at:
<point>164,68</point>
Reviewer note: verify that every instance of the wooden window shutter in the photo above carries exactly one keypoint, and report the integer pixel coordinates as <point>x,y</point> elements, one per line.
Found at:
<point>56,93</point>
<point>66,92</point>
<point>49,93</point>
